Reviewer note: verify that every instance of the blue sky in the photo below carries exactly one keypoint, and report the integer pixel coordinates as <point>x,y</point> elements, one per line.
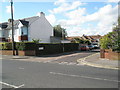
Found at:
<point>78,18</point>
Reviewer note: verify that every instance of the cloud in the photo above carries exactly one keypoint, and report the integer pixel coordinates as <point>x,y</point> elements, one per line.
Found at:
<point>64,6</point>
<point>8,9</point>
<point>51,18</point>
<point>79,21</point>
<point>104,19</point>
<point>113,0</point>
<point>59,2</point>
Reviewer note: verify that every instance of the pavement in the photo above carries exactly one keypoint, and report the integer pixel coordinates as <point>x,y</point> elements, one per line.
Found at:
<point>94,60</point>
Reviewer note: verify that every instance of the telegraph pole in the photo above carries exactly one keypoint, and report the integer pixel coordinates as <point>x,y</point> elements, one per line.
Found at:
<point>13,43</point>
<point>63,40</point>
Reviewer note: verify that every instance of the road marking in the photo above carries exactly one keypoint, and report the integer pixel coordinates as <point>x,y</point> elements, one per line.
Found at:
<point>87,77</point>
<point>21,68</point>
<point>72,63</point>
<point>13,86</point>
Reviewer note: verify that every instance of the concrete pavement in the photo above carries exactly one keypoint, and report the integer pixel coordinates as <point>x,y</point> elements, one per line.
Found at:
<point>94,60</point>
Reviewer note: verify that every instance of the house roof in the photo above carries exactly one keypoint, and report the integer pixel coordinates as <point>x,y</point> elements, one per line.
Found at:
<point>3,25</point>
<point>91,38</point>
<point>24,21</point>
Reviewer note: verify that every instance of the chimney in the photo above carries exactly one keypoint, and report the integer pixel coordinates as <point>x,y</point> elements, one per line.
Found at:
<point>41,14</point>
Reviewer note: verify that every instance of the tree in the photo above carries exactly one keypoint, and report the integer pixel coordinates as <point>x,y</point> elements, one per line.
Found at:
<point>59,31</point>
<point>112,39</point>
<point>78,40</point>
<point>105,42</point>
<point>81,41</point>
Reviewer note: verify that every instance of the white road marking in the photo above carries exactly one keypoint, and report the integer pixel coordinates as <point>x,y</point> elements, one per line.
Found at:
<point>21,68</point>
<point>83,77</point>
<point>72,63</point>
<point>13,86</point>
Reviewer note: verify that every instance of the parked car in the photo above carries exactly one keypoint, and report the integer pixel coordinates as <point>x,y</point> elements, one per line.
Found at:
<point>84,48</point>
<point>96,46</point>
<point>91,47</point>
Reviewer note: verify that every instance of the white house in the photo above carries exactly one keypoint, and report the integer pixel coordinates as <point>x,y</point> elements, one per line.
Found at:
<point>26,29</point>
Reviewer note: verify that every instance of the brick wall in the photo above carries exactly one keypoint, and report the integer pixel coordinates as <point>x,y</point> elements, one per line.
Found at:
<point>109,54</point>
<point>20,53</point>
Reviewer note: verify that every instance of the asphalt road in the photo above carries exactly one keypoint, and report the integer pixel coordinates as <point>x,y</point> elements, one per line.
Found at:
<point>25,74</point>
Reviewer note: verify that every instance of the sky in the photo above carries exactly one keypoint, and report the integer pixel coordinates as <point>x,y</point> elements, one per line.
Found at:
<point>76,16</point>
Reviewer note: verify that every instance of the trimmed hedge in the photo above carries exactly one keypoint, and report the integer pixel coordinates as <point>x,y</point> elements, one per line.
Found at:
<point>19,46</point>
<point>56,48</point>
<point>6,46</point>
<point>68,47</point>
<point>48,48</point>
<point>25,46</point>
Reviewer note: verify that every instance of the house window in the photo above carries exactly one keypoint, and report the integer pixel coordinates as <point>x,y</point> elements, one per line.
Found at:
<point>24,31</point>
<point>10,33</point>
<point>2,33</point>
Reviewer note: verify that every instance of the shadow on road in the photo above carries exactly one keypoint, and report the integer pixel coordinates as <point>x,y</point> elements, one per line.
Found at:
<point>68,53</point>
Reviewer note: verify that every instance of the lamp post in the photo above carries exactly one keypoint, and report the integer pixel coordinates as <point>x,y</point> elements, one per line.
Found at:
<point>13,44</point>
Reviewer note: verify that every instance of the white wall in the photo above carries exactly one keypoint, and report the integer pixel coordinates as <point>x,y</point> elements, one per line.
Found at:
<point>17,32</point>
<point>40,29</point>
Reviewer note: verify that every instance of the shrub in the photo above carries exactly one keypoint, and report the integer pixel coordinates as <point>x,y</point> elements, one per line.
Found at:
<point>25,46</point>
<point>111,41</point>
<point>6,46</point>
<point>18,46</point>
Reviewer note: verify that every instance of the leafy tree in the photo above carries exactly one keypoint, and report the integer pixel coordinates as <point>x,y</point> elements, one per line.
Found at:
<point>81,41</point>
<point>112,39</point>
<point>87,42</point>
<point>78,40</point>
<point>105,42</point>
<point>59,31</point>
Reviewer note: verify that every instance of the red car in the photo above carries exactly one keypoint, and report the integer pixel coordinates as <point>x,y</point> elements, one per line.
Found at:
<point>84,48</point>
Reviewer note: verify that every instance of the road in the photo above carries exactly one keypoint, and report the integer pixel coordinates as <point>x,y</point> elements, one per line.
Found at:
<point>25,74</point>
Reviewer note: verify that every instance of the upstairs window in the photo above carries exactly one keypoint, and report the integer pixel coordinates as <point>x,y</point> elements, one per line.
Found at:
<point>24,31</point>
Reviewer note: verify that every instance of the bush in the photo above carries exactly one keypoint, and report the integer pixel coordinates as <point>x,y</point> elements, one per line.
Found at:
<point>18,46</point>
<point>25,46</point>
<point>111,41</point>
<point>6,46</point>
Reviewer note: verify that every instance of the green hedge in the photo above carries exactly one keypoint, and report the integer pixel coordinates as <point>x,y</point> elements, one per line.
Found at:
<point>56,48</point>
<point>18,46</point>
<point>6,46</point>
<point>48,47</point>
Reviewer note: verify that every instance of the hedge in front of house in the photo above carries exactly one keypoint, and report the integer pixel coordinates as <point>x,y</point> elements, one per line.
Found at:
<point>6,46</point>
<point>18,46</point>
<point>56,48</point>
<point>48,49</point>
<point>25,46</point>
<point>68,47</point>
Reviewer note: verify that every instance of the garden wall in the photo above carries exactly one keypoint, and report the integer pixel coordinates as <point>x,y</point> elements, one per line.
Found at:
<point>20,53</point>
<point>109,54</point>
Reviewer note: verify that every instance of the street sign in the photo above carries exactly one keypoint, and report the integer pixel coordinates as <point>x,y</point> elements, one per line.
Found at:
<point>41,48</point>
